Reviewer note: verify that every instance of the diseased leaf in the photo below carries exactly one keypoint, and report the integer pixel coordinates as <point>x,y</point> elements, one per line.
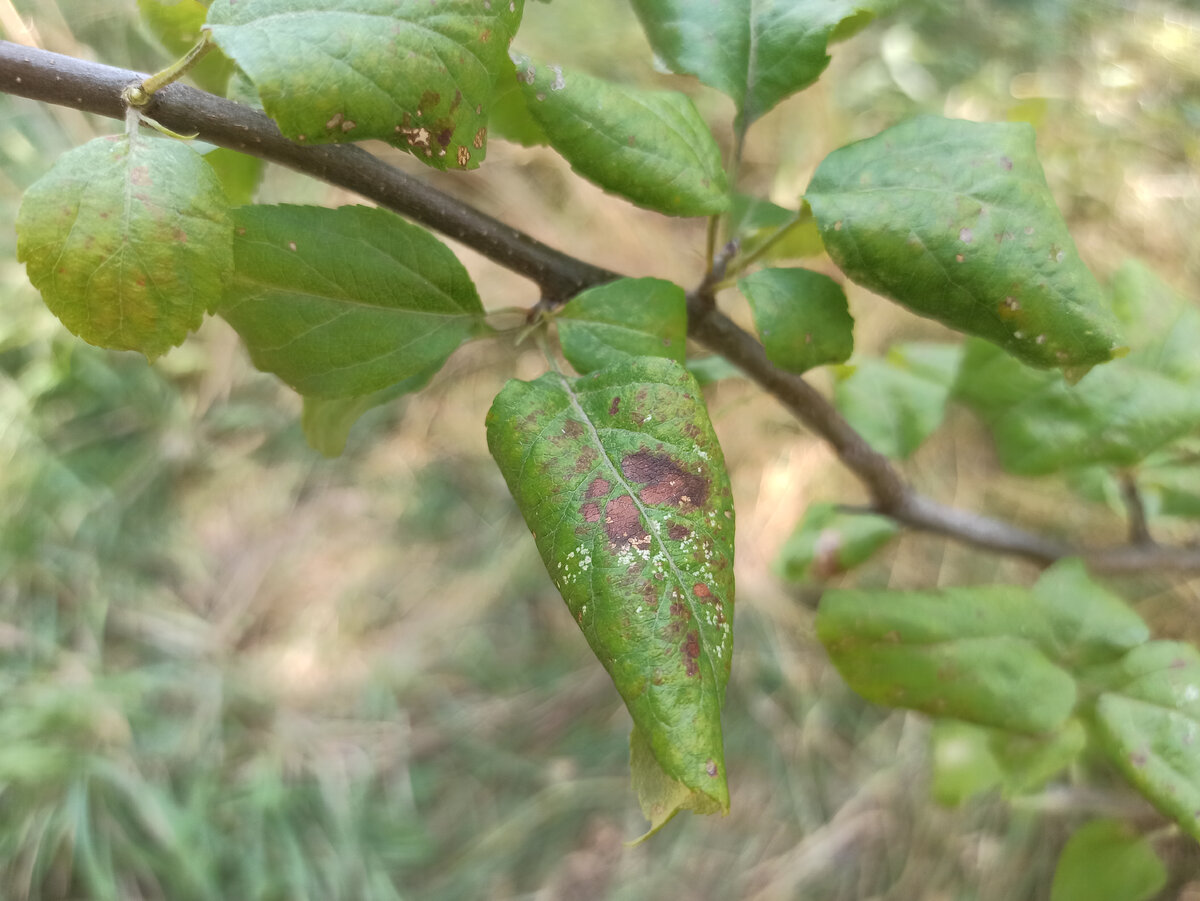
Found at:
<point>1118,415</point>
<point>976,654</point>
<point>129,241</point>
<point>756,52</point>
<point>1105,860</point>
<point>620,478</point>
<point>801,316</point>
<point>827,542</point>
<point>343,302</point>
<point>632,317</point>
<point>1149,724</point>
<point>650,147</point>
<point>899,401</point>
<point>660,796</point>
<point>418,75</point>
<point>327,421</point>
<point>954,220</point>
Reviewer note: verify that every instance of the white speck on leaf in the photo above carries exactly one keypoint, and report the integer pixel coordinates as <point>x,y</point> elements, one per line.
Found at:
<point>965,235</point>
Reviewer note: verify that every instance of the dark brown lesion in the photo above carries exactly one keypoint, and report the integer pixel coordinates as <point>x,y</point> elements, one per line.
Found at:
<point>623,523</point>
<point>691,653</point>
<point>665,480</point>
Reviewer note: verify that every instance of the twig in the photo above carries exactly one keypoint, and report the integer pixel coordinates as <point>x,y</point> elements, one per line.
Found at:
<point>1139,528</point>
<point>96,88</point>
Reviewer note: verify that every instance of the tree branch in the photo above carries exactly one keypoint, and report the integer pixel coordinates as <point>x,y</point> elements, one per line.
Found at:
<point>95,88</point>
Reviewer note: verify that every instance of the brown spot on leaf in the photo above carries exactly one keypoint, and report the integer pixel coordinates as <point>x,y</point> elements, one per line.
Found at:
<point>140,175</point>
<point>444,136</point>
<point>599,488</point>
<point>591,511</point>
<point>650,593</point>
<point>666,482</point>
<point>586,458</point>
<point>614,406</point>
<point>573,428</point>
<point>480,137</point>
<point>485,35</point>
<point>622,522</point>
<point>678,532</point>
<point>464,156</point>
<point>711,767</point>
<point>691,653</point>
<point>701,591</point>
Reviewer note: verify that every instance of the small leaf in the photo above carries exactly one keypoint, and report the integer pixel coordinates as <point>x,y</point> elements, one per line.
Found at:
<point>801,316</point>
<point>660,796</point>
<point>632,317</point>
<point>327,421</point>
<point>755,221</point>
<point>757,53</point>
<point>970,653</point>
<point>650,147</point>
<point>899,401</point>
<point>343,302</point>
<point>128,241</point>
<point>713,368</point>
<point>827,542</point>
<point>510,117</point>
<point>418,75</point>
<point>1106,860</point>
<point>239,173</point>
<point>620,478</point>
<point>954,220</point>
<point>1117,416</point>
<point>177,24</point>
<point>1090,623</point>
<point>1149,725</point>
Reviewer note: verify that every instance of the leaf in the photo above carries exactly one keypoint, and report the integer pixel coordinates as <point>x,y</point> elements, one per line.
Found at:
<point>801,316</point>
<point>971,653</point>
<point>650,147</point>
<point>1089,623</point>
<point>660,796</point>
<point>632,317</point>
<point>177,24</point>
<point>1105,860</point>
<point>897,402</point>
<point>327,421</point>
<point>417,75</point>
<point>1149,725</point>
<point>620,478</point>
<point>969,760</point>
<point>758,53</point>
<point>128,241</point>
<point>754,222</point>
<point>343,302</point>
<point>827,542</point>
<point>239,173</point>
<point>510,117</point>
<point>1117,416</point>
<point>955,221</point>
<point>713,368</point>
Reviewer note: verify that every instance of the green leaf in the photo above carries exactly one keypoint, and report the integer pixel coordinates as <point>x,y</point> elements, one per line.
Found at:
<point>757,53</point>
<point>128,241</point>
<point>417,75</point>
<point>620,478</point>
<point>510,117</point>
<point>650,147</point>
<point>1106,860</point>
<point>969,760</point>
<point>713,368</point>
<point>239,173</point>
<point>1089,623</point>
<point>754,222</point>
<point>827,542</point>
<point>327,420</point>
<point>954,220</point>
<point>632,317</point>
<point>971,653</point>
<point>801,316</point>
<point>177,24</point>
<point>1150,727</point>
<point>899,401</point>
<point>1117,416</point>
<point>343,302</point>
<point>660,796</point>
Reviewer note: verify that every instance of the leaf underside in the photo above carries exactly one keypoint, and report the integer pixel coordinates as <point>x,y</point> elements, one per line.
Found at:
<point>955,221</point>
<point>620,478</point>
<point>129,241</point>
<point>344,302</point>
<point>418,75</point>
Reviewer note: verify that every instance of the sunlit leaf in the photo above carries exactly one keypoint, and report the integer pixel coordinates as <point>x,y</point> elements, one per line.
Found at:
<point>343,302</point>
<point>758,53</point>
<point>1106,860</point>
<point>828,541</point>
<point>899,401</point>
<point>620,478</point>
<point>129,241</point>
<point>1149,723</point>
<point>954,220</point>
<point>418,75</point>
<point>802,317</point>
<point>650,147</point>
<point>632,317</point>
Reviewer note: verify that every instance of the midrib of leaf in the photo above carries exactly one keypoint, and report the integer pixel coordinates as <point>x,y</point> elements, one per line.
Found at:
<point>751,62</point>
<point>619,479</point>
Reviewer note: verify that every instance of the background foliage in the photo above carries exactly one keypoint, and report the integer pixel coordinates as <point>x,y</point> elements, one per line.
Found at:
<point>356,681</point>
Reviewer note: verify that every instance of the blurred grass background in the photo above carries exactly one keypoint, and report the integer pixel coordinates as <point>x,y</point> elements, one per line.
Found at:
<point>233,669</point>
